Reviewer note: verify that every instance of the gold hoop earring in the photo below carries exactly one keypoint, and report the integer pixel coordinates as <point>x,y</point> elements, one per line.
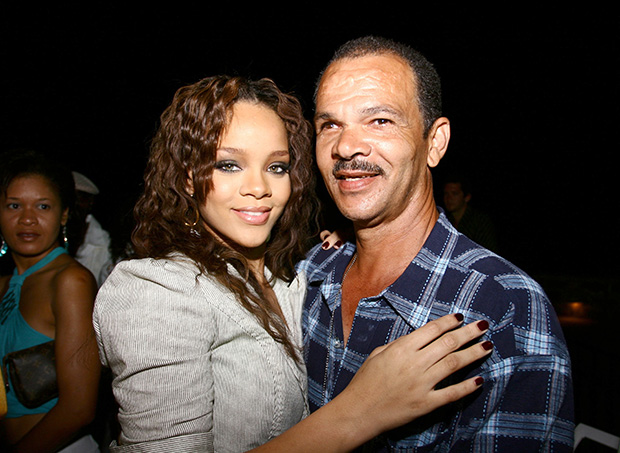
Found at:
<point>191,226</point>
<point>195,221</point>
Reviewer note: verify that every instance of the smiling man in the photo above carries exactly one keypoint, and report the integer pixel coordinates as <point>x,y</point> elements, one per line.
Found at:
<point>379,132</point>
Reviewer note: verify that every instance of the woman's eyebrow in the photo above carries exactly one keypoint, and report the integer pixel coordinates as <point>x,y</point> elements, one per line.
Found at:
<point>230,150</point>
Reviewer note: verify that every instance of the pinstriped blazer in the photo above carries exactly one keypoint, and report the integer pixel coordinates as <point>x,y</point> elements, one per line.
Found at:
<point>192,370</point>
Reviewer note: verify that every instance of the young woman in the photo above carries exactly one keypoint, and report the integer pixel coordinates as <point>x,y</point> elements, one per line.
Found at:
<point>202,332</point>
<point>49,297</point>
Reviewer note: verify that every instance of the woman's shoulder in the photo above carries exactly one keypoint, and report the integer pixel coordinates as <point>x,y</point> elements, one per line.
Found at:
<point>177,274</point>
<point>67,275</point>
<point>158,269</point>
<point>148,287</point>
<point>69,269</point>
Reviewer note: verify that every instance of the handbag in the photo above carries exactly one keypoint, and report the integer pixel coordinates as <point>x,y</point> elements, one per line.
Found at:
<point>32,372</point>
<point>3,406</point>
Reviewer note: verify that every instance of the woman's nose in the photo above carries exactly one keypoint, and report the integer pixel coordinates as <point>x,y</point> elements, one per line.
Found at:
<point>255,184</point>
<point>28,217</point>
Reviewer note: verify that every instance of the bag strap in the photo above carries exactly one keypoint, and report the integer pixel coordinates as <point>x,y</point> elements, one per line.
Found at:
<point>4,408</point>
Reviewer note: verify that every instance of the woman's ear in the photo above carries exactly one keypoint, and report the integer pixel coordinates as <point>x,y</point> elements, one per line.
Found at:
<point>439,137</point>
<point>189,183</point>
<point>64,218</point>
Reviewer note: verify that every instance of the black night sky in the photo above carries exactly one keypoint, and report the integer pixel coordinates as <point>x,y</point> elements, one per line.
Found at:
<point>532,96</point>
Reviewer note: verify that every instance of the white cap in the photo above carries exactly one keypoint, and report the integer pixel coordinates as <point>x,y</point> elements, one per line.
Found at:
<point>83,184</point>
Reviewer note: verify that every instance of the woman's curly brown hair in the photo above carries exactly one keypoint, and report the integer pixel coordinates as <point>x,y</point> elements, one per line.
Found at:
<point>186,143</point>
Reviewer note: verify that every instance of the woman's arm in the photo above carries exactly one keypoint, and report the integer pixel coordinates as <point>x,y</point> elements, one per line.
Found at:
<point>155,334</point>
<point>394,386</point>
<point>77,363</point>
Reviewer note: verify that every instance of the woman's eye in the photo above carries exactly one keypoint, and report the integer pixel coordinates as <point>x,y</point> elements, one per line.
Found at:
<point>227,166</point>
<point>279,168</point>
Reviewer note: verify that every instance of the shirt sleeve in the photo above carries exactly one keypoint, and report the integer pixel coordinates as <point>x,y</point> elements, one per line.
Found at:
<point>156,338</point>
<point>525,405</point>
<point>526,402</point>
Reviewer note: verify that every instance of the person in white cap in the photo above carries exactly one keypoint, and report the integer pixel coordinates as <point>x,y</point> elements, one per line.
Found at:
<point>93,251</point>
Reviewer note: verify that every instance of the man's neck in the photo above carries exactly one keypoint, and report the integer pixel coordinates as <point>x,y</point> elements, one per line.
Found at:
<point>390,247</point>
<point>384,252</point>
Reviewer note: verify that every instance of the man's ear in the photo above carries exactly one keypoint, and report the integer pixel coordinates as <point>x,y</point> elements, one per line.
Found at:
<point>439,137</point>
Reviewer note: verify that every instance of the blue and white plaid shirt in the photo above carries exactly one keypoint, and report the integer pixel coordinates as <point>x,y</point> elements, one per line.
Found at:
<point>526,401</point>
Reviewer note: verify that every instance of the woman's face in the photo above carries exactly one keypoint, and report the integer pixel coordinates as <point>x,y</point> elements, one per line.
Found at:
<point>31,216</point>
<point>251,183</point>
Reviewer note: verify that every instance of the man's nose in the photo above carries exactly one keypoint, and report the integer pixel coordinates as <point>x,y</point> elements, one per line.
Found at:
<point>351,143</point>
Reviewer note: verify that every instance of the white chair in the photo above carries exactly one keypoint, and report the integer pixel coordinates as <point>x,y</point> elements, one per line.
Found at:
<point>585,431</point>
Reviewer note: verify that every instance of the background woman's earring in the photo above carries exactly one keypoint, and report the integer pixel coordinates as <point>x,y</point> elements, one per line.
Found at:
<point>4,248</point>
<point>65,241</point>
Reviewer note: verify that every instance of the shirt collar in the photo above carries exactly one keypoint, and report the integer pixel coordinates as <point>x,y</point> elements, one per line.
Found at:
<point>421,278</point>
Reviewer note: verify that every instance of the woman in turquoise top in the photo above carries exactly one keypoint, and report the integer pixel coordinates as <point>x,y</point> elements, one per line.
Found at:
<point>49,296</point>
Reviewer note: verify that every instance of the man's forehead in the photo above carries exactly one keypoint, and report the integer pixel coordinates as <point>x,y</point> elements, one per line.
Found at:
<point>380,73</point>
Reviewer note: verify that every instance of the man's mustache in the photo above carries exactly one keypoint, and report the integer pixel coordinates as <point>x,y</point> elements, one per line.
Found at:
<point>356,165</point>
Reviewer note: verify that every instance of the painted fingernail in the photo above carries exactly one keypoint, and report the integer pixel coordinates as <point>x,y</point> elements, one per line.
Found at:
<point>483,325</point>
<point>487,345</point>
<point>479,381</point>
<point>459,317</point>
<point>325,245</point>
<point>337,244</point>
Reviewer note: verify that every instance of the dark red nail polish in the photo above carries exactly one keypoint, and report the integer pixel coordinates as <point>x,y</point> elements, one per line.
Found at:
<point>325,245</point>
<point>458,316</point>
<point>479,381</point>
<point>487,345</point>
<point>337,244</point>
<point>483,325</point>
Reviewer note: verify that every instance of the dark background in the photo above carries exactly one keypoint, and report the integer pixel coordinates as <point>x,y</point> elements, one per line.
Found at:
<point>532,94</point>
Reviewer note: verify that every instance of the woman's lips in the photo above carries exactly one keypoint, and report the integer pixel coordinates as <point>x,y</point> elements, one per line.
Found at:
<point>253,216</point>
<point>28,236</point>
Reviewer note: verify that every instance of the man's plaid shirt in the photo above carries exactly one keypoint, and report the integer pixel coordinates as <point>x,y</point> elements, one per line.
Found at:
<point>526,401</point>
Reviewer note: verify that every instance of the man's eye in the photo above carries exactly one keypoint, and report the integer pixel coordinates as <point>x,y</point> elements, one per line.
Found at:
<point>327,125</point>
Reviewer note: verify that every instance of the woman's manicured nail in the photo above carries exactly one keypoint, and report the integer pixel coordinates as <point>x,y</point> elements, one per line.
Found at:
<point>483,325</point>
